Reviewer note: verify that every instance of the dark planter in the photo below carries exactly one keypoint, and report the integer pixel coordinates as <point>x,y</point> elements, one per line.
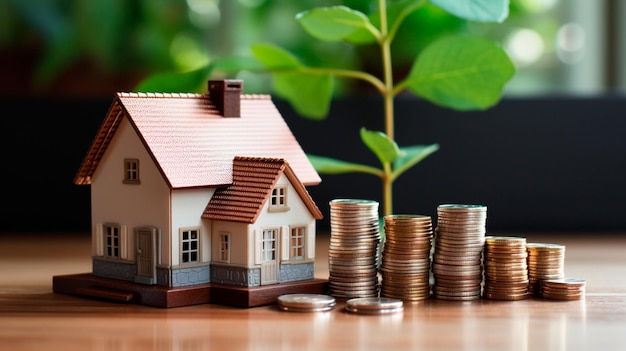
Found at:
<point>548,164</point>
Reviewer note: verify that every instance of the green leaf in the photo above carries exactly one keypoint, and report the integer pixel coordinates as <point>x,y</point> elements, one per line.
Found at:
<point>274,57</point>
<point>309,95</point>
<point>395,12</point>
<point>171,82</point>
<point>476,10</point>
<point>332,23</point>
<point>385,149</point>
<point>412,155</point>
<point>328,165</point>
<point>461,72</point>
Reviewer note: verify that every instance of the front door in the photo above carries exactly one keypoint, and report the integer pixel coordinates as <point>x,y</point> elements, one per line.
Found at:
<point>269,263</point>
<point>145,255</point>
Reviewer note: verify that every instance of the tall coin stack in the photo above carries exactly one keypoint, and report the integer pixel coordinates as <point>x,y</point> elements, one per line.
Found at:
<point>505,268</point>
<point>354,248</point>
<point>457,257</point>
<point>405,266</point>
<point>545,261</point>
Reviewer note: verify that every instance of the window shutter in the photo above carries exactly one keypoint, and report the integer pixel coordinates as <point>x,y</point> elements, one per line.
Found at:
<point>258,249</point>
<point>123,242</point>
<point>310,241</point>
<point>99,240</point>
<point>284,243</point>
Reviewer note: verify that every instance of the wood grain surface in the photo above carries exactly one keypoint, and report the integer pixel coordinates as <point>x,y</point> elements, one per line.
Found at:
<point>32,317</point>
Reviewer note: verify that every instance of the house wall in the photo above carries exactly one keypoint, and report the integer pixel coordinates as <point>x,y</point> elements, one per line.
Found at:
<point>238,244</point>
<point>129,205</point>
<point>298,215</point>
<point>187,208</point>
<point>243,238</point>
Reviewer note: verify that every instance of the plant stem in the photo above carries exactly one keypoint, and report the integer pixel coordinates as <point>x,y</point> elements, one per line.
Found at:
<point>388,97</point>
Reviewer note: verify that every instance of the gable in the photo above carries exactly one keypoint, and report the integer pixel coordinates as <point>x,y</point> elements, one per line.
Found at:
<point>253,181</point>
<point>193,144</point>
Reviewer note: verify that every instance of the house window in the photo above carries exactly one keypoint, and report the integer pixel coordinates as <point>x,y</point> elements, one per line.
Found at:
<point>297,243</point>
<point>131,171</point>
<point>224,254</point>
<point>278,201</point>
<point>112,241</point>
<point>189,244</point>
<point>269,245</point>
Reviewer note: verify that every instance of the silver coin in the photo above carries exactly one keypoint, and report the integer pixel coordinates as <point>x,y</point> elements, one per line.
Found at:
<point>374,305</point>
<point>306,302</point>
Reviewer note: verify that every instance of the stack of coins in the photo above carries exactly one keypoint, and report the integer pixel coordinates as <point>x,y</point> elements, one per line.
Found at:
<point>459,243</point>
<point>545,261</point>
<point>563,289</point>
<point>354,248</point>
<point>505,268</point>
<point>405,266</point>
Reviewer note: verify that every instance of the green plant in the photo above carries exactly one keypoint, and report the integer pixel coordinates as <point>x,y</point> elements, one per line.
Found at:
<point>458,72</point>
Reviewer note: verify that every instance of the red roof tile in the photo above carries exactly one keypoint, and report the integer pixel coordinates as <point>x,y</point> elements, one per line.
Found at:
<point>193,144</point>
<point>253,181</point>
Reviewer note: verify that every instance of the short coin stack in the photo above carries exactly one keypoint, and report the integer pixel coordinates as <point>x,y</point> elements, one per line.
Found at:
<point>563,289</point>
<point>405,267</point>
<point>545,261</point>
<point>459,243</point>
<point>354,248</point>
<point>505,268</point>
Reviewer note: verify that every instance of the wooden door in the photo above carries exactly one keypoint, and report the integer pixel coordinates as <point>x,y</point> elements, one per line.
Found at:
<point>146,255</point>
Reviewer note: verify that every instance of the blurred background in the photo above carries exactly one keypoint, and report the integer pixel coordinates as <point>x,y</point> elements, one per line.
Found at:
<point>549,157</point>
<point>92,48</point>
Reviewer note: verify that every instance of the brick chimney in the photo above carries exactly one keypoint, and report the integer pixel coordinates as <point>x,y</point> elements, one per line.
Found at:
<point>226,95</point>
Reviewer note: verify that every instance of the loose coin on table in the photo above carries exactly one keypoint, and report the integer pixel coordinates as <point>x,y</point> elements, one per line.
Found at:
<point>374,305</point>
<point>306,302</point>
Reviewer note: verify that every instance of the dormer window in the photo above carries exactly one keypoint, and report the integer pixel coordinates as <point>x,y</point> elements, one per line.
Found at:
<point>278,201</point>
<point>131,171</point>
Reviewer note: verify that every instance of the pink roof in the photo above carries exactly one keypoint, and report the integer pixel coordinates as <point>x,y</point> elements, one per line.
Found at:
<point>253,181</point>
<point>193,144</point>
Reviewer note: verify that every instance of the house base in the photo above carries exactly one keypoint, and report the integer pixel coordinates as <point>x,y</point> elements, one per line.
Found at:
<point>87,284</point>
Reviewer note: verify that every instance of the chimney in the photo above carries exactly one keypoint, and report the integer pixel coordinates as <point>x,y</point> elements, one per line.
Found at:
<point>226,95</point>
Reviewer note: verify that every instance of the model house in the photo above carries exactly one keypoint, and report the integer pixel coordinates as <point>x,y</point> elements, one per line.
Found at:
<point>196,189</point>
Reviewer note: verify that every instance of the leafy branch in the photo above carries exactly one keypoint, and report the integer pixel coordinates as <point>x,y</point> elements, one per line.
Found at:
<point>463,73</point>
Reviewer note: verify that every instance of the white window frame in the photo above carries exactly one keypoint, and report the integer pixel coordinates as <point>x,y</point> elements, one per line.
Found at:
<point>112,240</point>
<point>297,243</point>
<point>224,247</point>
<point>189,253</point>
<point>278,199</point>
<point>269,245</point>
<point>131,171</point>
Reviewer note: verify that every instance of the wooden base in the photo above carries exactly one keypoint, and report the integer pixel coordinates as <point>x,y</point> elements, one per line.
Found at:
<point>86,284</point>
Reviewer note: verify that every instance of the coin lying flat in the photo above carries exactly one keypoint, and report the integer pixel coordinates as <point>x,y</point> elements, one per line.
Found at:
<point>306,302</point>
<point>374,305</point>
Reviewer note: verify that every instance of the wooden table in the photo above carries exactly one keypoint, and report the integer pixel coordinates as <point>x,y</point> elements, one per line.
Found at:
<point>34,318</point>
